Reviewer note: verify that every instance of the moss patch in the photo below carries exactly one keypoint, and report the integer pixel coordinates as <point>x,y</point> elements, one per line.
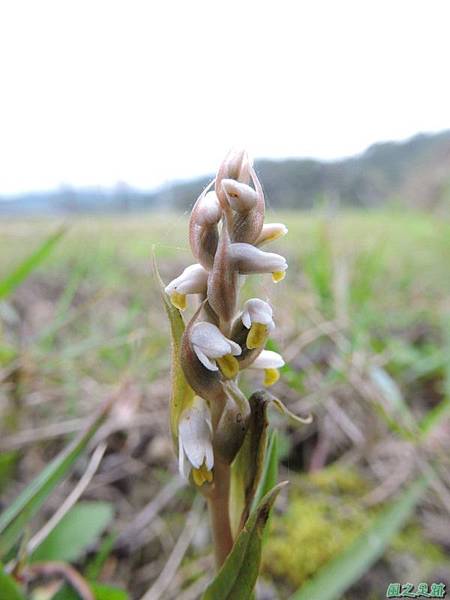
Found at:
<point>325,514</point>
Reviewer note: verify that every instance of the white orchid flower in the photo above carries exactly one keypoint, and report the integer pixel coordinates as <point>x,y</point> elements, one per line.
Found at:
<point>270,362</point>
<point>250,259</point>
<point>195,451</point>
<point>214,350</point>
<point>257,317</point>
<point>193,280</point>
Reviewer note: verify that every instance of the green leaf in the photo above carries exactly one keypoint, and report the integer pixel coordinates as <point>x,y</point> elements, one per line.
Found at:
<point>269,475</point>
<point>248,465</point>
<point>339,574</point>
<point>237,577</point>
<point>7,465</point>
<point>8,587</point>
<point>434,417</point>
<point>20,273</point>
<point>387,386</point>
<point>76,531</point>
<point>108,592</point>
<point>100,591</point>
<point>21,511</point>
<point>94,567</point>
<point>182,394</point>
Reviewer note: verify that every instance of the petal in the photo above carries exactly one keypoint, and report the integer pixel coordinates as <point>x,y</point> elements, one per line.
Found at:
<point>259,311</point>
<point>228,366</point>
<point>235,349</point>
<point>241,197</point>
<point>206,362</point>
<point>271,376</point>
<point>193,280</point>
<point>195,433</point>
<point>184,466</point>
<point>209,457</point>
<point>257,336</point>
<point>178,300</point>
<point>246,320</point>
<point>209,339</point>
<point>250,259</point>
<point>271,232</point>
<point>268,360</point>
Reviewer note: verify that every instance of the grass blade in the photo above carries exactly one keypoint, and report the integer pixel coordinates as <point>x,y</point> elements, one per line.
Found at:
<point>339,574</point>
<point>78,529</point>
<point>19,513</point>
<point>9,283</point>
<point>8,587</point>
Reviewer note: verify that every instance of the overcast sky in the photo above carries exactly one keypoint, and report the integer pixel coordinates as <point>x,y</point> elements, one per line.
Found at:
<point>97,92</point>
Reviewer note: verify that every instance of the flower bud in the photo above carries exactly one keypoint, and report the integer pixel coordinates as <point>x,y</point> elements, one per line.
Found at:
<point>193,280</point>
<point>241,197</point>
<point>271,232</point>
<point>236,165</point>
<point>246,222</point>
<point>203,232</point>
<point>249,259</point>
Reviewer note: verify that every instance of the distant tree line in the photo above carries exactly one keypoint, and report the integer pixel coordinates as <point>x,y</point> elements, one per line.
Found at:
<point>414,173</point>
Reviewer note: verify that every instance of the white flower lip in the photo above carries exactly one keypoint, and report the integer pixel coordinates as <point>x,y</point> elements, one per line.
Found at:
<point>268,360</point>
<point>240,196</point>
<point>209,343</point>
<point>250,259</point>
<point>257,311</point>
<point>193,280</point>
<point>195,438</point>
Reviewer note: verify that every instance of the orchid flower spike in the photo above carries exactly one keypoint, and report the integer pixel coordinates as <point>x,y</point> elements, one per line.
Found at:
<point>210,415</point>
<point>193,280</point>
<point>257,317</point>
<point>195,451</point>
<point>270,362</point>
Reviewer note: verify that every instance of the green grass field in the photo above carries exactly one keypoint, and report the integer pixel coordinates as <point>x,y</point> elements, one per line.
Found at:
<point>363,320</point>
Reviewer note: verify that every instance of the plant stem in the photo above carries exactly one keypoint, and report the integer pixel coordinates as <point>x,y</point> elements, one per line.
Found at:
<point>219,513</point>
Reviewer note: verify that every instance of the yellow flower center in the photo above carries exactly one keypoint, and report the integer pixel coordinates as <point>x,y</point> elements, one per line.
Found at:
<point>178,300</point>
<point>278,276</point>
<point>256,336</point>
<point>271,376</point>
<point>228,365</point>
<point>201,475</point>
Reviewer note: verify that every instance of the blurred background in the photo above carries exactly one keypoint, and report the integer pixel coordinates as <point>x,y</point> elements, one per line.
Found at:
<point>113,117</point>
